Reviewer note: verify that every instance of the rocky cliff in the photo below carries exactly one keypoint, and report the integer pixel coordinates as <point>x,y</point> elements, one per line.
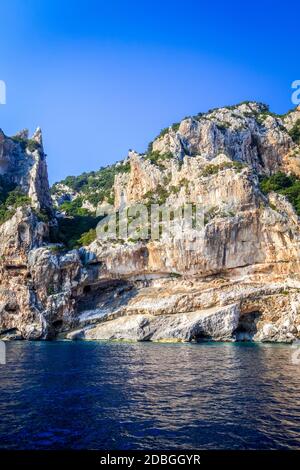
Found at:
<point>238,281</point>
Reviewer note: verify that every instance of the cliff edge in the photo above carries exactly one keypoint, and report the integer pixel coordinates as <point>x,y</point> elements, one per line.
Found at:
<point>240,281</point>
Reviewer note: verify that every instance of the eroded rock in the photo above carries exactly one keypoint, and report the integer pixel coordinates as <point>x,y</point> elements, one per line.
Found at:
<point>240,281</point>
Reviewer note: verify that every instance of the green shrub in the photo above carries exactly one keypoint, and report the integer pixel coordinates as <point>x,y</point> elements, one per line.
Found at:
<point>20,140</point>
<point>150,147</point>
<point>184,182</point>
<point>17,198</point>
<point>95,186</point>
<point>157,196</point>
<point>218,212</point>
<point>11,197</point>
<point>32,145</point>
<point>72,229</point>
<point>95,197</point>
<point>295,132</point>
<point>214,169</point>
<point>222,126</point>
<point>55,249</point>
<point>88,237</point>
<point>175,126</point>
<point>281,183</point>
<point>50,290</point>
<point>273,207</point>
<point>174,189</point>
<point>44,215</point>
<point>276,182</point>
<point>157,158</point>
<point>210,214</point>
<point>74,208</point>
<point>210,170</point>
<point>163,132</point>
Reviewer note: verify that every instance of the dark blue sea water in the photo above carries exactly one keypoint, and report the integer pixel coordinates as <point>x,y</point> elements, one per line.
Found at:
<point>93,395</point>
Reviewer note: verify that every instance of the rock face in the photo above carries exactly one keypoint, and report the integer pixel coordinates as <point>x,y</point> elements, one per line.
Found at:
<point>19,312</point>
<point>238,281</point>
<point>215,323</point>
<point>247,133</point>
<point>22,164</point>
<point>22,160</point>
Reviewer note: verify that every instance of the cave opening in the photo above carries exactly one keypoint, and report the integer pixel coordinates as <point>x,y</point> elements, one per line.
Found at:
<point>87,290</point>
<point>247,326</point>
<point>57,324</point>
<point>200,337</point>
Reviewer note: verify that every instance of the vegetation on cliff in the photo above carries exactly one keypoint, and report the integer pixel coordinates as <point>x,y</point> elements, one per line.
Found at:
<point>77,231</point>
<point>11,197</point>
<point>219,131</point>
<point>157,158</point>
<point>295,132</point>
<point>78,228</point>
<point>29,144</point>
<point>95,186</point>
<point>286,185</point>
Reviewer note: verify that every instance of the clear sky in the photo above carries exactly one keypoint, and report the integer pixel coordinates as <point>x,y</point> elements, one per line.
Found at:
<point>101,77</point>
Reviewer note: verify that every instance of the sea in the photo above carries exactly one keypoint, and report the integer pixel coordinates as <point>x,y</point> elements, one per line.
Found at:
<point>147,396</point>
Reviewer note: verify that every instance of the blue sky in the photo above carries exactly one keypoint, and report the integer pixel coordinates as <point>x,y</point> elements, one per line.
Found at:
<point>102,77</point>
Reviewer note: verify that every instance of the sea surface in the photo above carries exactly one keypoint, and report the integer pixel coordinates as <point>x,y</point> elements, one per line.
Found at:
<point>101,395</point>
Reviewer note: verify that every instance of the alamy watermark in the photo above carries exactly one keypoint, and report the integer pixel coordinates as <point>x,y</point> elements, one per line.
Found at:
<point>2,92</point>
<point>142,222</point>
<point>295,356</point>
<point>296,93</point>
<point>2,353</point>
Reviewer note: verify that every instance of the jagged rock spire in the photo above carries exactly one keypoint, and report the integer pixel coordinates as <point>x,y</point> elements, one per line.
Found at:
<point>37,136</point>
<point>23,134</point>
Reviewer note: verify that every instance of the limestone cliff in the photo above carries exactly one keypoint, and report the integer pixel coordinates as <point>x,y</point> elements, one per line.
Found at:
<point>239,282</point>
<point>22,161</point>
